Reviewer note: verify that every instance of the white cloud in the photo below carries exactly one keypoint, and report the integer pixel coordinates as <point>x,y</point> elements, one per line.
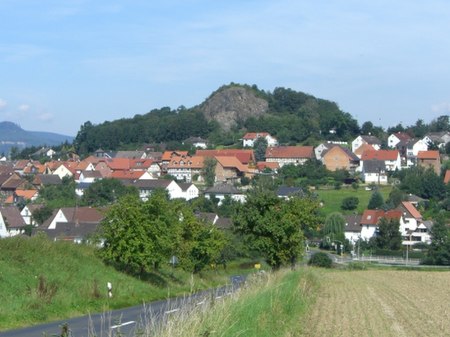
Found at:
<point>441,108</point>
<point>46,116</point>
<point>3,104</point>
<point>24,107</point>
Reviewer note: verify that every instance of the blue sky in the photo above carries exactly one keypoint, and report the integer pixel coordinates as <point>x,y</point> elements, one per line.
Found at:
<point>63,63</point>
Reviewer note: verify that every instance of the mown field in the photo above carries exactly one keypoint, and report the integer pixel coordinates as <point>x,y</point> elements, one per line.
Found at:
<point>318,302</point>
<point>380,303</point>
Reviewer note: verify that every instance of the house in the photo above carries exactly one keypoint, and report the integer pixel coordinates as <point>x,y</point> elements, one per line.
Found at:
<point>11,220</point>
<point>371,140</point>
<point>186,168</point>
<point>412,226</point>
<point>220,191</point>
<point>89,177</point>
<point>371,218</point>
<point>296,155</point>
<point>13,183</point>
<point>214,219</point>
<point>447,177</point>
<point>363,148</point>
<point>189,190</point>
<point>374,171</point>
<point>398,138</point>
<point>131,175</point>
<point>337,157</point>
<point>229,169</point>
<point>147,187</point>
<point>41,180</point>
<point>89,215</point>
<point>63,170</point>
<point>352,229</point>
<point>196,142</point>
<point>27,213</point>
<point>167,158</point>
<point>413,147</point>
<point>22,196</point>
<point>44,152</point>
<point>76,232</point>
<point>439,138</point>
<point>430,159</point>
<point>391,158</point>
<point>250,137</point>
<point>287,192</point>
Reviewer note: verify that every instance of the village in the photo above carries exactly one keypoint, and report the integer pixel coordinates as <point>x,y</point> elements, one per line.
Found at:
<point>147,170</point>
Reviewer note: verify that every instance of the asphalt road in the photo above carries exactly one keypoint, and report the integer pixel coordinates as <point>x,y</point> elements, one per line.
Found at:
<point>128,321</point>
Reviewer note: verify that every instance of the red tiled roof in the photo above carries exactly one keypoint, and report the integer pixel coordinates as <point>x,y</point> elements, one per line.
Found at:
<point>432,154</point>
<point>380,155</point>
<point>118,163</point>
<point>167,155</point>
<point>195,162</point>
<point>254,135</point>
<point>402,136</point>
<point>26,194</point>
<point>245,156</point>
<point>363,148</point>
<point>261,165</point>
<point>373,216</point>
<point>126,175</point>
<point>231,162</point>
<point>411,209</point>
<point>290,152</point>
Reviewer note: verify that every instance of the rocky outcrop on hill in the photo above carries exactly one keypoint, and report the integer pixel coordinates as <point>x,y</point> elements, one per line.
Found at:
<point>232,104</point>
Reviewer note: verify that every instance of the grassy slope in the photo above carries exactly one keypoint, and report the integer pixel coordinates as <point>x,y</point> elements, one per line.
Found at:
<point>43,281</point>
<point>332,199</point>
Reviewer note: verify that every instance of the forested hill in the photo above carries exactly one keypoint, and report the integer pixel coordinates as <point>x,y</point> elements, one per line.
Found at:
<point>229,112</point>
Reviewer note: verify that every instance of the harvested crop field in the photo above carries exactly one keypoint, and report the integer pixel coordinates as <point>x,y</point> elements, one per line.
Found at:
<point>380,303</point>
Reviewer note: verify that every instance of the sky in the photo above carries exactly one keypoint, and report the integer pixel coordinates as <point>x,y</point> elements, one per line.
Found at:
<point>63,63</point>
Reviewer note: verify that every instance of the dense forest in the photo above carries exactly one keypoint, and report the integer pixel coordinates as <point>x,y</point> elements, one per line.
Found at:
<point>292,117</point>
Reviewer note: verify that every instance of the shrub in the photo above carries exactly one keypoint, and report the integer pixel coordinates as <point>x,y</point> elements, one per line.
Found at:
<point>320,260</point>
<point>350,203</point>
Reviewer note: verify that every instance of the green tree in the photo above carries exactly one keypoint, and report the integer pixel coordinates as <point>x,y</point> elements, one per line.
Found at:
<point>140,236</point>
<point>106,191</point>
<point>275,227</point>
<point>439,250</point>
<point>349,203</point>
<point>209,171</point>
<point>389,236</point>
<point>260,146</point>
<point>334,224</point>
<point>57,196</point>
<point>376,200</point>
<point>41,214</point>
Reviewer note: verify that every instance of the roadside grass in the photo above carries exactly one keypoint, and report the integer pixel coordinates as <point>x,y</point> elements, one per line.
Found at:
<point>332,199</point>
<point>44,281</point>
<point>271,304</point>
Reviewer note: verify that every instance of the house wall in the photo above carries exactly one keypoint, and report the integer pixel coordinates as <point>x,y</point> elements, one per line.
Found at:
<point>336,159</point>
<point>224,173</point>
<point>375,178</point>
<point>434,164</point>
<point>367,231</point>
<point>59,217</point>
<point>393,141</point>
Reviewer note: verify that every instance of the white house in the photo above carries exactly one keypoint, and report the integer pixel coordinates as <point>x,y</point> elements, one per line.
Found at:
<point>220,191</point>
<point>371,140</point>
<point>391,158</point>
<point>412,227</point>
<point>413,148</point>
<point>190,191</point>
<point>374,171</point>
<point>147,187</point>
<point>250,137</point>
<point>438,138</point>
<point>396,138</point>
<point>62,171</point>
<point>352,230</point>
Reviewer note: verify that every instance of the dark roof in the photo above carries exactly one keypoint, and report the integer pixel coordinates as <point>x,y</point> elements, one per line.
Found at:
<point>222,189</point>
<point>11,216</point>
<point>47,179</point>
<point>224,223</point>
<point>185,186</point>
<point>348,152</point>
<point>151,184</point>
<point>70,230</point>
<point>287,191</point>
<point>352,223</point>
<point>78,214</point>
<point>374,166</point>
<point>206,216</point>
<point>371,139</point>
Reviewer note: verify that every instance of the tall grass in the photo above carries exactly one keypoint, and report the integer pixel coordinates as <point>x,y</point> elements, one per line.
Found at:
<point>43,281</point>
<point>270,305</point>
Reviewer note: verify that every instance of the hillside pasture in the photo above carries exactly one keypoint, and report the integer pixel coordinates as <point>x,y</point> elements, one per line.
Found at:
<point>332,199</point>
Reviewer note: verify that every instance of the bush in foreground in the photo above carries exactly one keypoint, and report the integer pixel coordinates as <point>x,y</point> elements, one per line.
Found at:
<point>320,260</point>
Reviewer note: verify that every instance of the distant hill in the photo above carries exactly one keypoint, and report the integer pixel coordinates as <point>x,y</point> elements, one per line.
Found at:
<point>12,135</point>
